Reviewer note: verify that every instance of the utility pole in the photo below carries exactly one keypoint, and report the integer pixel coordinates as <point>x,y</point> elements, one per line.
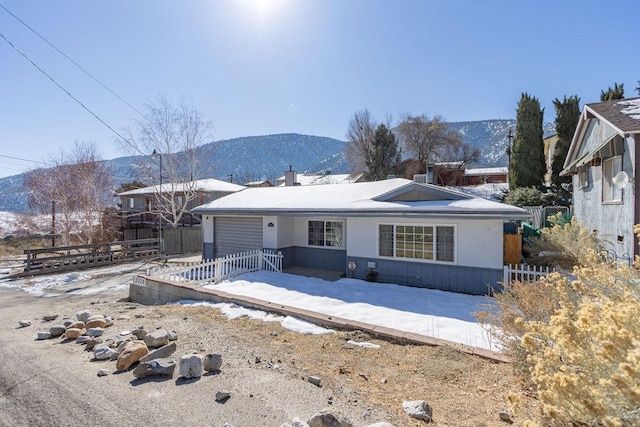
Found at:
<point>53,223</point>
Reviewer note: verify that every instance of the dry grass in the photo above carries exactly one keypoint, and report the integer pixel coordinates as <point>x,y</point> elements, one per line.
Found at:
<point>463,390</point>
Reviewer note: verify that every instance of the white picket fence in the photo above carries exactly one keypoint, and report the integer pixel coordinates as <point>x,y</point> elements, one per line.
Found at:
<point>219,269</point>
<point>524,273</point>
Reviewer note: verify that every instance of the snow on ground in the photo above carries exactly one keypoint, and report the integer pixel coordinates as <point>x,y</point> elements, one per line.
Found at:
<point>428,312</point>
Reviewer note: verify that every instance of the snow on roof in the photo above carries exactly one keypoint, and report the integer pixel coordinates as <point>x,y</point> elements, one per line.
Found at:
<point>310,179</point>
<point>358,199</point>
<point>486,171</point>
<point>633,108</point>
<point>208,185</point>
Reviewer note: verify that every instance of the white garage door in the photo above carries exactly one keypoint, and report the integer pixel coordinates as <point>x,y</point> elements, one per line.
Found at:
<point>237,234</point>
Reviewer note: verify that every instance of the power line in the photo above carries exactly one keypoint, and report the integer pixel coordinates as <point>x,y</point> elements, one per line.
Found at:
<point>74,62</point>
<point>24,160</point>
<point>71,96</point>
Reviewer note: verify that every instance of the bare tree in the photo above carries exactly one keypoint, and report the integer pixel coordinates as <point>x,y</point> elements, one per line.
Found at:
<point>174,135</point>
<point>77,189</point>
<point>360,136</point>
<point>427,139</point>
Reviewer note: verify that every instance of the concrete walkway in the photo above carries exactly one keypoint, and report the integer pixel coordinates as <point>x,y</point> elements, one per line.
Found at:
<point>153,290</point>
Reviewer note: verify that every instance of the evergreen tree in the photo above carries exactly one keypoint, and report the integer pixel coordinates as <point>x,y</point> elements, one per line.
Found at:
<point>616,92</point>
<point>384,154</point>
<point>638,88</point>
<point>567,117</point>
<point>528,164</point>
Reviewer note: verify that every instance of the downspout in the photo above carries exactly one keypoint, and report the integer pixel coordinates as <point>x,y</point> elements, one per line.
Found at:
<point>636,196</point>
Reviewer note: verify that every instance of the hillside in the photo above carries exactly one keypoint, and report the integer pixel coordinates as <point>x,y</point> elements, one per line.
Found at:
<point>268,157</point>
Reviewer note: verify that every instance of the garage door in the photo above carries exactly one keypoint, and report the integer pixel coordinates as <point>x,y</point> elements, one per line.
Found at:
<point>237,234</point>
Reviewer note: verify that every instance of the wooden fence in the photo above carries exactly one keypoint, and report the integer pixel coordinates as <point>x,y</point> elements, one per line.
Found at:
<point>524,273</point>
<point>217,270</point>
<point>180,240</point>
<point>64,258</point>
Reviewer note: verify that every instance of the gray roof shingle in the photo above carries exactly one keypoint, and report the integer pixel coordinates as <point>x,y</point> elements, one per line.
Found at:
<point>618,113</point>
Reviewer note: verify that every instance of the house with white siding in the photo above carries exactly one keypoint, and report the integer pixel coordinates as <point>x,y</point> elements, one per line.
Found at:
<point>396,230</point>
<point>603,159</point>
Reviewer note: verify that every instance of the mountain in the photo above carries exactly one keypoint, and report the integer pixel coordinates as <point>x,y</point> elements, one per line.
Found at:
<point>268,157</point>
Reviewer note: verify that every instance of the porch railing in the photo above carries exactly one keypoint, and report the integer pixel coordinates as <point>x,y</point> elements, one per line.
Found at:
<point>524,273</point>
<point>219,269</point>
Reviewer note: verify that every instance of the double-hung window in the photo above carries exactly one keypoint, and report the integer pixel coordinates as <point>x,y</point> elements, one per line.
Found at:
<point>610,168</point>
<point>326,233</point>
<point>423,242</point>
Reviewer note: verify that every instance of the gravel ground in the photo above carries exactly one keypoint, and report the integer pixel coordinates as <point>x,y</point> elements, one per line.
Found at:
<point>265,368</point>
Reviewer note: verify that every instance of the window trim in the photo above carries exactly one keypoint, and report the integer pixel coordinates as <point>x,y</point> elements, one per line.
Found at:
<point>435,227</point>
<point>607,181</point>
<point>584,177</point>
<point>324,228</point>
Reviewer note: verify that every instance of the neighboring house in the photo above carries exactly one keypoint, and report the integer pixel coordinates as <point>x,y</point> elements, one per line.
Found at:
<point>262,183</point>
<point>397,230</point>
<point>139,206</point>
<point>602,160</point>
<point>293,178</point>
<point>479,176</point>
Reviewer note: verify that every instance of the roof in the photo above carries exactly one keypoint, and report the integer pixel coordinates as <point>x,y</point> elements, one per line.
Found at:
<point>623,115</point>
<point>487,171</point>
<point>392,197</point>
<point>209,185</point>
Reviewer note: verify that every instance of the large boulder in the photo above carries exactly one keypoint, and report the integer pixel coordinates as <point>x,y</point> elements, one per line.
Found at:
<point>57,330</point>
<point>212,362</point>
<point>157,338</point>
<point>96,323</point>
<point>160,353</point>
<point>191,366</point>
<point>131,353</point>
<point>154,367</point>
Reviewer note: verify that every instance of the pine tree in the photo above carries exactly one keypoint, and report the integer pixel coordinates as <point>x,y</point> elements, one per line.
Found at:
<point>616,92</point>
<point>384,155</point>
<point>567,117</point>
<point>528,165</point>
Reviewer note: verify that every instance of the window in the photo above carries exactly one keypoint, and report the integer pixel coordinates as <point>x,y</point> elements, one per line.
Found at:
<point>326,233</point>
<point>178,201</point>
<point>611,167</point>
<point>131,203</point>
<point>583,177</point>
<point>429,242</point>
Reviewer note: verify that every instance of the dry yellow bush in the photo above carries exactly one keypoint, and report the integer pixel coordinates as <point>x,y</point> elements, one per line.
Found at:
<point>576,339</point>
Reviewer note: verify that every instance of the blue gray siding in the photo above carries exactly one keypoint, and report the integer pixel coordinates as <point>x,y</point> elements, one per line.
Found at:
<point>325,259</point>
<point>469,280</point>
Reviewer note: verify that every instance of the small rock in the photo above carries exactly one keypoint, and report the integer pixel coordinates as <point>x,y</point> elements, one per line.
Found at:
<point>274,334</point>
<point>44,335</point>
<point>257,360</point>
<point>325,418</point>
<point>154,367</point>
<point>504,416</point>
<point>212,362</point>
<point>124,333</point>
<point>109,320</point>
<point>24,323</point>
<point>131,353</point>
<point>95,332</point>
<point>96,323</point>
<point>222,396</point>
<point>103,352</point>
<point>77,325</point>
<point>57,330</point>
<point>380,424</point>
<point>160,353</point>
<point>91,343</point>
<point>418,409</point>
<point>73,333</point>
<point>139,316</point>
<point>82,339</point>
<point>103,372</point>
<point>50,317</point>
<point>191,366</point>
<point>67,323</point>
<point>156,339</point>
<point>172,336</point>
<point>139,333</point>
<point>83,315</point>
<point>315,380</point>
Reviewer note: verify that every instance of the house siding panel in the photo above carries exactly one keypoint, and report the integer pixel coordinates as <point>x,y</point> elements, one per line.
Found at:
<point>236,234</point>
<point>326,259</point>
<point>612,223</point>
<point>469,280</point>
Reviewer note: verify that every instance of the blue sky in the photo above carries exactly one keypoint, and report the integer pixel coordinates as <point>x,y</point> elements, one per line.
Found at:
<point>256,67</point>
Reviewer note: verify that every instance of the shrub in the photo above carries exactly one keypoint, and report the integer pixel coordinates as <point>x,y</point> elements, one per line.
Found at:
<point>576,340</point>
<point>527,196</point>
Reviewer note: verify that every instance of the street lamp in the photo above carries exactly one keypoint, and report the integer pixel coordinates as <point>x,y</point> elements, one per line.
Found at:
<point>156,155</point>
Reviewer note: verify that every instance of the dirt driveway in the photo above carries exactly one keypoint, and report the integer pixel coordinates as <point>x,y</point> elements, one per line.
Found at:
<point>265,368</point>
